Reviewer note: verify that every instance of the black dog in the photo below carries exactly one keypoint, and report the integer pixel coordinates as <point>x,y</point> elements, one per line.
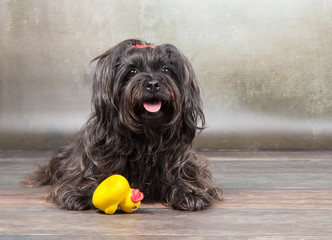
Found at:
<point>146,113</point>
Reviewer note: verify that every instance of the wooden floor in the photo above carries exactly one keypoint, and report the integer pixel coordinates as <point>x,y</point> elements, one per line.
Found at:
<point>267,195</point>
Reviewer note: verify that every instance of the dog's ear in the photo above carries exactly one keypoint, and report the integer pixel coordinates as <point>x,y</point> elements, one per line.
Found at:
<point>105,85</point>
<point>193,116</point>
<point>103,81</point>
<point>193,119</point>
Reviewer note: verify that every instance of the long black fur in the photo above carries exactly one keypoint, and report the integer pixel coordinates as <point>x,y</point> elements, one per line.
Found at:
<point>152,150</point>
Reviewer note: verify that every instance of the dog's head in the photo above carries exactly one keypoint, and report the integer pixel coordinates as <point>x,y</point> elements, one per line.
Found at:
<point>147,89</point>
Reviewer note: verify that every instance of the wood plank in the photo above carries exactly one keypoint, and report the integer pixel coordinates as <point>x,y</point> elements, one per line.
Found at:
<point>289,197</point>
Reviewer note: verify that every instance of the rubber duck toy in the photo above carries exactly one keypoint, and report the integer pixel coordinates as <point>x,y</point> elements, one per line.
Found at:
<point>115,191</point>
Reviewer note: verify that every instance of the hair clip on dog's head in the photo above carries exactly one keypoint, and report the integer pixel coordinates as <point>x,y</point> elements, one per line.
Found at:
<point>143,46</point>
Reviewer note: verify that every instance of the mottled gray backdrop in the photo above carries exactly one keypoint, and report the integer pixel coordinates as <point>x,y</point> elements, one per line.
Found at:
<point>265,66</point>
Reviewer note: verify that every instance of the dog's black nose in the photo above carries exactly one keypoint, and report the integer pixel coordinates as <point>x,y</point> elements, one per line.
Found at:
<point>153,86</point>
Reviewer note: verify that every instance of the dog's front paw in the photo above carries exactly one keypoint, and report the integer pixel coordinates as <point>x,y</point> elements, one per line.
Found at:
<point>190,202</point>
<point>181,198</point>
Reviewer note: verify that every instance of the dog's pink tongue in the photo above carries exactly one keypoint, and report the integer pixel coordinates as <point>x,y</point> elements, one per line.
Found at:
<point>152,107</point>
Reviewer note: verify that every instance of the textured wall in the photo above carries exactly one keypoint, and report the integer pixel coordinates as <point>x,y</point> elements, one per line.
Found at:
<point>265,66</point>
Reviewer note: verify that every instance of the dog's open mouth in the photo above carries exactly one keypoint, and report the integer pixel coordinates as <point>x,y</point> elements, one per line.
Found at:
<point>152,107</point>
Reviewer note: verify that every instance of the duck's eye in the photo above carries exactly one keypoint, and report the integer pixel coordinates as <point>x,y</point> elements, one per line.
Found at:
<point>134,209</point>
<point>166,71</point>
<point>132,73</point>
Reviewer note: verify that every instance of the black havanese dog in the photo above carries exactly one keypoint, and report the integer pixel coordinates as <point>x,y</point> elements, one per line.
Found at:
<point>146,113</point>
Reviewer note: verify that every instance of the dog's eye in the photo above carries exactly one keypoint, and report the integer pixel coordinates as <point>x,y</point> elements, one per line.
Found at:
<point>166,71</point>
<point>132,73</point>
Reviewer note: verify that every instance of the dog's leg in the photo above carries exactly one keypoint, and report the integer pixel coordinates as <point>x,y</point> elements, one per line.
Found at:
<point>71,176</point>
<point>73,195</point>
<point>74,189</point>
<point>192,189</point>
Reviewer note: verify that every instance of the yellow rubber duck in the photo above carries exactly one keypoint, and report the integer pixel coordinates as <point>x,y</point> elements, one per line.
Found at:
<point>115,191</point>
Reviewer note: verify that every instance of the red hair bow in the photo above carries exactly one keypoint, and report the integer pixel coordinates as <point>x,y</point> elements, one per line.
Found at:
<point>143,46</point>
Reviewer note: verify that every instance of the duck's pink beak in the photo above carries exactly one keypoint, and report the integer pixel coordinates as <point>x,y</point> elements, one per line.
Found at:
<point>136,196</point>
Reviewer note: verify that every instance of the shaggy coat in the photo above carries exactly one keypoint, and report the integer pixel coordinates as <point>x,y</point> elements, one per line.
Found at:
<point>146,111</point>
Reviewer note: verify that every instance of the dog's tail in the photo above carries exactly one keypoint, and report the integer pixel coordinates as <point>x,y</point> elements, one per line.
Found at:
<point>38,178</point>
<point>46,174</point>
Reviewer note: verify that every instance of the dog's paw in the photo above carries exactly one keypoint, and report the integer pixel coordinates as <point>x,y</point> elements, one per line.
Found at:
<point>190,202</point>
<point>71,200</point>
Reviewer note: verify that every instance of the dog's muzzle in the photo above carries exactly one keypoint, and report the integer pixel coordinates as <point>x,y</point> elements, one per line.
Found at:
<point>153,105</point>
